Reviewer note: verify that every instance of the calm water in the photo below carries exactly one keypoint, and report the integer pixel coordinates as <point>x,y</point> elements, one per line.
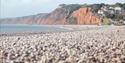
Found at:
<point>30,28</point>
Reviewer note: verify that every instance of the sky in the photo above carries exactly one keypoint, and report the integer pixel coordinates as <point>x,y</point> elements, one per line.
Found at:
<point>18,8</point>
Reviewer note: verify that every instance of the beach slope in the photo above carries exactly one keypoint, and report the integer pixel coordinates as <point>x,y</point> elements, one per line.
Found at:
<point>97,45</point>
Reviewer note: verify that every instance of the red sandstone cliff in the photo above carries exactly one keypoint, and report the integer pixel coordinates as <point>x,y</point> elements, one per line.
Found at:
<point>58,16</point>
<point>85,16</point>
<point>61,16</point>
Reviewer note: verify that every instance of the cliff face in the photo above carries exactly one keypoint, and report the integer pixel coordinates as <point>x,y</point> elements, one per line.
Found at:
<point>85,16</point>
<point>24,20</point>
<point>59,16</point>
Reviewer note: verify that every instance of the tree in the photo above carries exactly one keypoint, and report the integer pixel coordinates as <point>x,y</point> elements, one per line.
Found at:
<point>96,7</point>
<point>62,5</point>
<point>118,4</point>
<point>123,6</point>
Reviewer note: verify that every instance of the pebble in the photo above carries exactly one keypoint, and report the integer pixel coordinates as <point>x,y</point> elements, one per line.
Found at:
<point>105,45</point>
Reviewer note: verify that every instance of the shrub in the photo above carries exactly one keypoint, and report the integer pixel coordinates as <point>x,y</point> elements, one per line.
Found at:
<point>106,21</point>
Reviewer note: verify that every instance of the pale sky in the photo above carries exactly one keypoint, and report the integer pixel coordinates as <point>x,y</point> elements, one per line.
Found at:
<point>18,8</point>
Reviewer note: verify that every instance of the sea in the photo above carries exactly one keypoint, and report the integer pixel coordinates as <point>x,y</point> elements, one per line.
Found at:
<point>13,28</point>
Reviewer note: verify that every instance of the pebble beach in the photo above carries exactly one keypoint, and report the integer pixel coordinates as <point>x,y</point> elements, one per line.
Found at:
<point>96,45</point>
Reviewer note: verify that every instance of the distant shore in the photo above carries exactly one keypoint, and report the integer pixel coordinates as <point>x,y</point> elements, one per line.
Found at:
<point>68,28</point>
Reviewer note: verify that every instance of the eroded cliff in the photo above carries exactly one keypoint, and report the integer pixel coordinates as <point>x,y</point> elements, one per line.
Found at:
<point>63,15</point>
<point>86,16</point>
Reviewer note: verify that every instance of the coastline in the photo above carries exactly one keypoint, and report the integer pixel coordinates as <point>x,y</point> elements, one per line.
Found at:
<point>68,28</point>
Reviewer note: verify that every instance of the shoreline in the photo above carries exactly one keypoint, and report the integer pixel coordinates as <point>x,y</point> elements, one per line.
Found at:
<point>68,28</point>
